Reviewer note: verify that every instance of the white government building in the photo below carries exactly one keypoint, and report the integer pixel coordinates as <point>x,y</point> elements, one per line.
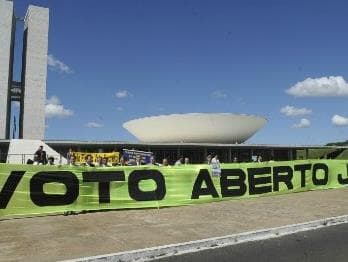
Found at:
<point>225,128</point>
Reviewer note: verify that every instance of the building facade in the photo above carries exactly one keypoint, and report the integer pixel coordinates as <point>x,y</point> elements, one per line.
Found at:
<point>30,90</point>
<point>7,34</point>
<point>197,152</point>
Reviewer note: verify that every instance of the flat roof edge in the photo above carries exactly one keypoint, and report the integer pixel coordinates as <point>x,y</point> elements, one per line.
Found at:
<point>120,143</point>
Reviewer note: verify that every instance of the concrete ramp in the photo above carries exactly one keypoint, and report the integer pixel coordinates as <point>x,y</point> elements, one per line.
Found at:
<point>20,150</point>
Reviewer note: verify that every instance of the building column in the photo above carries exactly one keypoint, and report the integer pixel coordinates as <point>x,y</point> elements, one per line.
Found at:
<point>34,73</point>
<point>290,154</point>
<point>7,33</point>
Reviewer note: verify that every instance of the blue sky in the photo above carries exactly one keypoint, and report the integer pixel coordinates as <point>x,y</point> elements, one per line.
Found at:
<point>113,61</point>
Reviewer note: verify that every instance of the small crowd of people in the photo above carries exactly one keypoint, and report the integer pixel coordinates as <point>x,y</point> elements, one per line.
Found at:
<point>123,161</point>
<point>40,158</point>
<point>100,161</point>
<point>165,162</point>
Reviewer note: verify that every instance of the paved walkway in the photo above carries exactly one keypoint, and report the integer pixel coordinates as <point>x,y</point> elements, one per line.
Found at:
<point>64,237</point>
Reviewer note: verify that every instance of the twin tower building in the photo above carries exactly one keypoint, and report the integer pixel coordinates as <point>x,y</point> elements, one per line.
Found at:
<point>30,90</point>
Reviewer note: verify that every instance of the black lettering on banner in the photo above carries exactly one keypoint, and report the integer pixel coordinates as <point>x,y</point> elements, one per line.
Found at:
<point>40,198</point>
<point>197,190</point>
<point>103,178</point>
<point>9,187</point>
<point>280,176</point>
<point>342,180</point>
<point>303,168</point>
<point>226,181</point>
<point>254,181</point>
<point>137,194</point>
<point>323,181</point>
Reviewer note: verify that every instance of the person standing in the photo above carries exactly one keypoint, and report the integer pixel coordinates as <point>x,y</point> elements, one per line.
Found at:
<point>89,161</point>
<point>138,161</point>
<point>209,159</point>
<point>180,161</point>
<point>51,161</point>
<point>104,162</point>
<point>73,161</point>
<point>123,161</point>
<point>153,161</point>
<point>165,162</point>
<point>215,166</point>
<point>69,156</point>
<point>41,156</point>
<point>98,161</point>
<point>259,159</point>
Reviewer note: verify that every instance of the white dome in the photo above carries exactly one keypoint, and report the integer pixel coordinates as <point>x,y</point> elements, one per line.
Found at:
<point>196,128</point>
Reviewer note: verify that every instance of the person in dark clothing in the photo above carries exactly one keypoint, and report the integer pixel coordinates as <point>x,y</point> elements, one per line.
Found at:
<point>69,155</point>
<point>30,162</point>
<point>41,156</point>
<point>89,161</point>
<point>51,161</point>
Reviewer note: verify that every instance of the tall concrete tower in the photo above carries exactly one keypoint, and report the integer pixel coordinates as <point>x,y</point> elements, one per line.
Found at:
<point>34,72</point>
<point>7,34</point>
<point>30,91</point>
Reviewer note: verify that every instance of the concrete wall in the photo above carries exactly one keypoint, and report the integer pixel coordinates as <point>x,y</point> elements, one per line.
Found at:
<point>6,59</point>
<point>35,73</point>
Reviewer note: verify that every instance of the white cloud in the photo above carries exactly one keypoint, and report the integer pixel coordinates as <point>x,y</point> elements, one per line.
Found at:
<point>323,86</point>
<point>218,94</point>
<point>339,120</point>
<point>94,125</point>
<point>53,100</point>
<point>304,123</point>
<point>57,65</point>
<point>119,108</point>
<point>54,108</point>
<point>293,111</point>
<point>123,94</point>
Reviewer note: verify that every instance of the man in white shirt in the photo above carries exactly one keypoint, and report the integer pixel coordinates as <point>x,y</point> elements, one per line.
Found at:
<point>165,162</point>
<point>215,166</point>
<point>180,161</point>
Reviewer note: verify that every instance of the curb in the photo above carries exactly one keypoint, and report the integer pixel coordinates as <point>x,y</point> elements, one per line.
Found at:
<point>149,254</point>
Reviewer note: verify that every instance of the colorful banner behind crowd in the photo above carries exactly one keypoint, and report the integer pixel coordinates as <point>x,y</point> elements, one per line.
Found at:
<point>131,155</point>
<point>113,158</point>
<point>39,190</point>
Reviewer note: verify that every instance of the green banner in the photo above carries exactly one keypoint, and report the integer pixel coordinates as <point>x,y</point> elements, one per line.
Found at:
<point>38,190</point>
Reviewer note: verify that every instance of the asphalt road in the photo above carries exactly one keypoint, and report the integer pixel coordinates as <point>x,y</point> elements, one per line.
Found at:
<point>326,244</point>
